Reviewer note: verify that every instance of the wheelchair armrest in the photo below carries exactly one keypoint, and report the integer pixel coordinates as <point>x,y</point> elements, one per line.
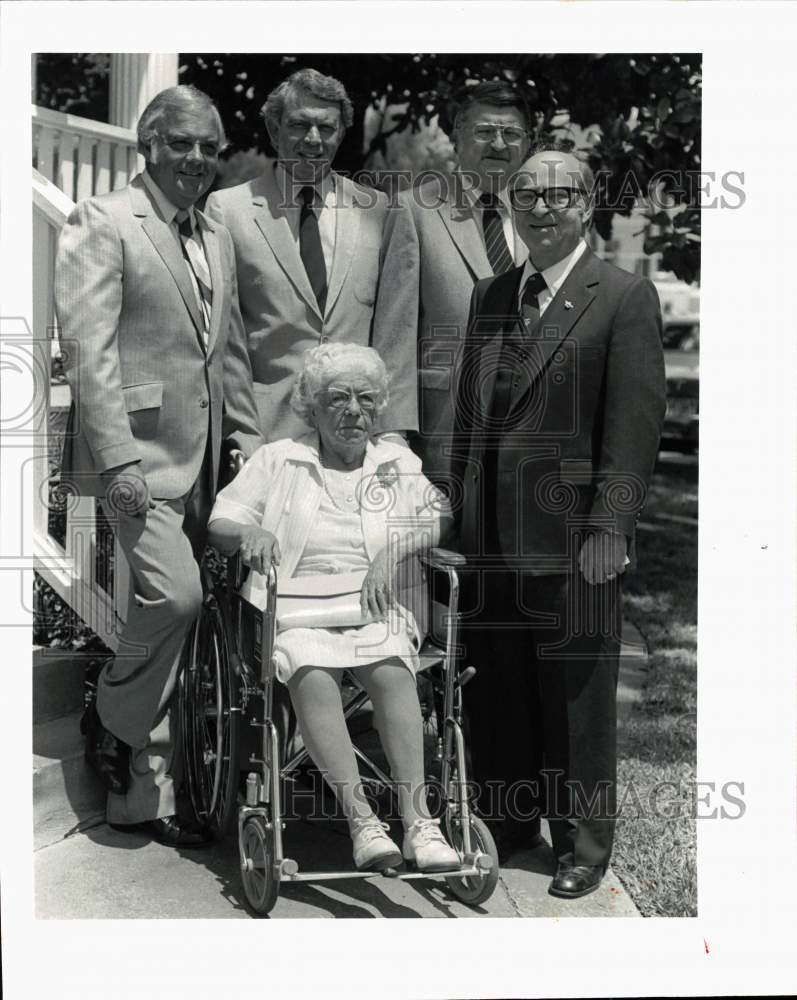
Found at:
<point>443,559</point>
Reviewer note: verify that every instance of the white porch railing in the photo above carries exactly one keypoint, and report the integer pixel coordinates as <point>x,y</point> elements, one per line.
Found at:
<point>80,156</point>
<point>71,545</point>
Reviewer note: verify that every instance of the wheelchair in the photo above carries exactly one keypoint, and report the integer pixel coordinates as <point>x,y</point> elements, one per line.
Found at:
<point>231,743</point>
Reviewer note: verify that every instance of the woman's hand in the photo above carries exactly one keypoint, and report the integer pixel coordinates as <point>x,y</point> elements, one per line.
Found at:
<point>378,593</point>
<point>258,548</point>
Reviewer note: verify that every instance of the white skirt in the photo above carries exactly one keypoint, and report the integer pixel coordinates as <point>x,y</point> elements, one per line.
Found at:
<point>348,648</point>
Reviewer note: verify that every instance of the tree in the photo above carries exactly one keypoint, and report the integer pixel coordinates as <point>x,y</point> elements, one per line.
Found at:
<point>643,111</point>
<point>641,115</point>
<point>74,82</point>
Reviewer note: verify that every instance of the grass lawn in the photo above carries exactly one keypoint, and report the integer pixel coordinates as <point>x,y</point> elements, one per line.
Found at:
<point>655,853</point>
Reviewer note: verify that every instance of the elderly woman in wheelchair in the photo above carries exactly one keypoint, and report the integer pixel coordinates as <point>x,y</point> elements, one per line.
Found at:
<point>340,512</point>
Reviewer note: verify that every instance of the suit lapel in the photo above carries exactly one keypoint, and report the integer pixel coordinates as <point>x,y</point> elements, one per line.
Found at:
<point>482,350</point>
<point>555,326</point>
<point>347,230</point>
<point>459,220</point>
<point>272,221</point>
<point>164,239</point>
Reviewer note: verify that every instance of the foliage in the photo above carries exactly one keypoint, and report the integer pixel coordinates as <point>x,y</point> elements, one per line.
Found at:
<point>655,853</point>
<point>56,625</point>
<point>74,82</point>
<point>637,115</point>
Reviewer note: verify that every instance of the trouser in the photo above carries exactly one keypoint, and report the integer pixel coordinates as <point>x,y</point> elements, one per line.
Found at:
<point>136,690</point>
<point>542,707</point>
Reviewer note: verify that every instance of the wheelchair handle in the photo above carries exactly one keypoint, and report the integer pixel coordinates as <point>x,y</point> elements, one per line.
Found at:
<point>443,559</point>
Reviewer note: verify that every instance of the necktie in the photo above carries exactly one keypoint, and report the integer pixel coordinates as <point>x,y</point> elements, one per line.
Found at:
<point>529,302</point>
<point>310,247</point>
<point>494,240</point>
<point>198,266</point>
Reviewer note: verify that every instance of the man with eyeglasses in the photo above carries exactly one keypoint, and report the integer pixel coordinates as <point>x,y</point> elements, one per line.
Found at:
<point>452,232</point>
<point>308,243</point>
<point>159,375</point>
<point>559,410</point>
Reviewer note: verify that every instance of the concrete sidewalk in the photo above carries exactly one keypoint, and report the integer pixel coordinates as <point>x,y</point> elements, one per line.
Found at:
<point>84,869</point>
<point>101,873</point>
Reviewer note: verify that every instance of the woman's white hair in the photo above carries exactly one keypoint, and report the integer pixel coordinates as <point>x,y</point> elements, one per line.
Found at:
<point>323,363</point>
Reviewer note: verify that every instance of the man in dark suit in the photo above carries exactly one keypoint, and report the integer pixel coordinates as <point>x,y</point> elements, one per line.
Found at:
<point>560,402</point>
<point>148,314</point>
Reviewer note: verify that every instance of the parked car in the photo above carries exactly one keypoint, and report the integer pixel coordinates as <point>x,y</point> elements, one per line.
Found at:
<point>681,363</point>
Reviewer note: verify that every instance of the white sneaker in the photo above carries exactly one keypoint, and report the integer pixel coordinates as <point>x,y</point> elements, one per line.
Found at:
<point>428,848</point>
<point>373,849</point>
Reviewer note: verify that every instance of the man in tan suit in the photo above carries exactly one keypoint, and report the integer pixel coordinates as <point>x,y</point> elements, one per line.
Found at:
<point>452,232</point>
<point>308,245</point>
<point>148,316</point>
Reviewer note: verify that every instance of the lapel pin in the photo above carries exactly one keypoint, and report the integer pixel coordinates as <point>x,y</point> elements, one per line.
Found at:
<point>568,304</point>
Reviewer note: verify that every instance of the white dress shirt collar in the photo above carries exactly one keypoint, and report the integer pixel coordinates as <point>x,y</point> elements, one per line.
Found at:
<point>554,276</point>
<point>289,188</point>
<point>473,194</point>
<point>166,209</point>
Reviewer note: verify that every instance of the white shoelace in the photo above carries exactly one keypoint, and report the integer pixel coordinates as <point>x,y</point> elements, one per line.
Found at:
<point>425,831</point>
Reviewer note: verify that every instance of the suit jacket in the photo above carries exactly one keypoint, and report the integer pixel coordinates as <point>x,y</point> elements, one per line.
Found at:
<point>143,387</point>
<point>587,402</point>
<point>435,254</point>
<point>280,312</point>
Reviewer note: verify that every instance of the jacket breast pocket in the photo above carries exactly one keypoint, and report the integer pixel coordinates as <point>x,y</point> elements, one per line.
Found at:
<point>143,405</point>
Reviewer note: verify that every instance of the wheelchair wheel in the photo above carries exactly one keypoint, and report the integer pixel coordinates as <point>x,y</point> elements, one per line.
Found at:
<point>209,720</point>
<point>260,886</point>
<point>472,889</point>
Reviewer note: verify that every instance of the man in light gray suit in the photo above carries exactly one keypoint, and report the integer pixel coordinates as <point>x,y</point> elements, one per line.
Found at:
<point>157,365</point>
<point>452,232</point>
<point>308,245</point>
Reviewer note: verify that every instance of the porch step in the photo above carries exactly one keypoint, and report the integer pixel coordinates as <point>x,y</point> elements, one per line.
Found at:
<point>67,796</point>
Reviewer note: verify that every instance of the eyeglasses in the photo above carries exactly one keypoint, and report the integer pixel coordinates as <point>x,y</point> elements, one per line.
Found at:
<point>183,146</point>
<point>512,135</point>
<point>338,399</point>
<point>556,198</point>
<point>300,130</point>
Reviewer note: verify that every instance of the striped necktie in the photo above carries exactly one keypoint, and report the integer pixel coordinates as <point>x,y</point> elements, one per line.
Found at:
<point>494,240</point>
<point>198,266</point>
<point>529,302</point>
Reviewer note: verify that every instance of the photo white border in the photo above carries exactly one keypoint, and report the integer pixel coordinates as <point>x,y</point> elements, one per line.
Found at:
<point>743,938</point>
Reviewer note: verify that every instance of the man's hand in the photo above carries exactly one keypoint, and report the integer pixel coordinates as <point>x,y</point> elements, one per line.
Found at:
<point>603,556</point>
<point>378,592</point>
<point>126,490</point>
<point>258,548</point>
<point>236,459</point>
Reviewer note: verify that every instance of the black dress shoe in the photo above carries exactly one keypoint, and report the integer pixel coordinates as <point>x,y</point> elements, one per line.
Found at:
<point>573,881</point>
<point>171,831</point>
<point>108,756</point>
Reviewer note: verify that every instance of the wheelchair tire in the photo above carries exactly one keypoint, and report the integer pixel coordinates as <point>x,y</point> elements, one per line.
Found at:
<point>472,889</point>
<point>260,885</point>
<point>210,720</point>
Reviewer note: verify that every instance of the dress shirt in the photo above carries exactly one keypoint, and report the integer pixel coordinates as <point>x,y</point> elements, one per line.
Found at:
<point>554,276</point>
<point>326,213</point>
<point>517,247</point>
<point>168,212</point>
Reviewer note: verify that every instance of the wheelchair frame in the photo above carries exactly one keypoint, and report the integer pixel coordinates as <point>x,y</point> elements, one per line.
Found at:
<point>226,691</point>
